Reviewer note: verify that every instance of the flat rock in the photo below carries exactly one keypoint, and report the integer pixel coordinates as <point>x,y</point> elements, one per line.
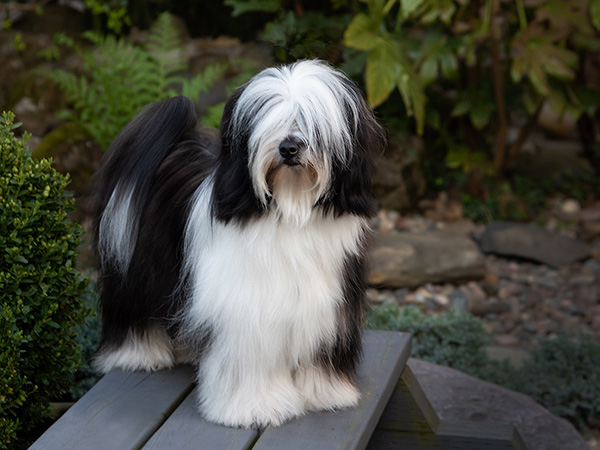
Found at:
<point>530,241</point>
<point>413,259</point>
<point>457,397</point>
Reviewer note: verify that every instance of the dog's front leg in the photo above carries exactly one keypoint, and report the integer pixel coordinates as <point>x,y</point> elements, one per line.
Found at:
<point>247,385</point>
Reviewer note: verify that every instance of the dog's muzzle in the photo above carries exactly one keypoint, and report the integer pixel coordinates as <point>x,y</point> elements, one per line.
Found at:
<point>290,149</point>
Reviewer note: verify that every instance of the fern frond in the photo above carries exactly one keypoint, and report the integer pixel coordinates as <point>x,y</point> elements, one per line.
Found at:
<point>165,46</point>
<point>201,82</point>
<point>120,78</point>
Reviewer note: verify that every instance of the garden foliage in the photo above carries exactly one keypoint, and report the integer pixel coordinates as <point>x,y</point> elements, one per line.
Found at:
<point>119,78</point>
<point>455,339</point>
<point>564,376</point>
<point>40,288</point>
<point>464,69</point>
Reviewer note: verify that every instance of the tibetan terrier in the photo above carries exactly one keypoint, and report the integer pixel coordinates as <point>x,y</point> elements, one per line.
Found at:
<point>243,254</point>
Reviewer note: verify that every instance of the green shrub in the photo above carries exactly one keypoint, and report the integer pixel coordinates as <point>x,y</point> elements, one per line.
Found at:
<point>454,339</point>
<point>563,374</point>
<point>40,288</point>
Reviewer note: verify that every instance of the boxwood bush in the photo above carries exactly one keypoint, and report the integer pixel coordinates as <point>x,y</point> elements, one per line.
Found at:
<point>40,288</point>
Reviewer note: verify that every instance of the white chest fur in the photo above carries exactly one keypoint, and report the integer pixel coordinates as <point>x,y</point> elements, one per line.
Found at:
<point>283,280</point>
<point>268,293</point>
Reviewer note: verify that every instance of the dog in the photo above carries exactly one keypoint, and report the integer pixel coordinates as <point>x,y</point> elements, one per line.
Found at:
<point>245,253</point>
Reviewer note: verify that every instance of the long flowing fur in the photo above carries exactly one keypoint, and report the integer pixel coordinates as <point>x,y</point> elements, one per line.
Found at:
<point>245,253</point>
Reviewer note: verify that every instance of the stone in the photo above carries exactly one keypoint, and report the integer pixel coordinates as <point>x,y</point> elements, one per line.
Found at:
<point>562,124</point>
<point>570,208</point>
<point>413,259</point>
<point>457,397</point>
<point>506,340</point>
<point>398,177</point>
<point>532,242</point>
<point>552,158</point>
<point>485,307</point>
<point>445,208</point>
<point>384,222</point>
<point>462,226</point>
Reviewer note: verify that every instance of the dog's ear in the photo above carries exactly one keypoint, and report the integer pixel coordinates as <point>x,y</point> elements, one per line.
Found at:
<point>351,188</point>
<point>233,196</point>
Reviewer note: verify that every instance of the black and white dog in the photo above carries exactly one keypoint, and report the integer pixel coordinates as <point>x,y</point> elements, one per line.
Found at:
<point>243,254</point>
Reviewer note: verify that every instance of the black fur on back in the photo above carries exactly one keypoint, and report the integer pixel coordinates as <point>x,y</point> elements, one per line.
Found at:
<point>164,160</point>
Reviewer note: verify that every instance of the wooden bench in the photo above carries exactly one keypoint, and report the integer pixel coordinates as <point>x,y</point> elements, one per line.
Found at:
<point>157,411</point>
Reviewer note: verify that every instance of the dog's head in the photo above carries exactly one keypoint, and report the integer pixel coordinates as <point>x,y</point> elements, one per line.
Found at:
<point>296,138</point>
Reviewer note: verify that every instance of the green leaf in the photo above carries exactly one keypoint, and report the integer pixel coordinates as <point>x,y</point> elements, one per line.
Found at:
<point>448,64</point>
<point>381,74</point>
<point>595,13</point>
<point>428,71</point>
<point>480,114</point>
<point>537,57</point>
<point>461,108</point>
<point>243,6</point>
<point>21,259</point>
<point>408,7</point>
<point>361,33</point>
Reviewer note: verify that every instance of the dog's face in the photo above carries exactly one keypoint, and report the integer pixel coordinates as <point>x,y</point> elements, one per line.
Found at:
<point>303,133</point>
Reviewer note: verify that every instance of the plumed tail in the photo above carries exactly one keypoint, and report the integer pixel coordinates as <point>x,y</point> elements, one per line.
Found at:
<point>126,178</point>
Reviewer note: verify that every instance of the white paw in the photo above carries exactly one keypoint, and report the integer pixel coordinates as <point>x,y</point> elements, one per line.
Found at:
<point>251,408</point>
<point>148,351</point>
<point>322,390</point>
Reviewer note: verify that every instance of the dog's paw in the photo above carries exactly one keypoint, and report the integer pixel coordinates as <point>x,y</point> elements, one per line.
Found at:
<point>253,409</point>
<point>322,390</point>
<point>148,351</point>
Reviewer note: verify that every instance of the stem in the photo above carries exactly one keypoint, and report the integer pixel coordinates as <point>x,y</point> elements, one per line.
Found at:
<point>487,16</point>
<point>298,8</point>
<point>500,148</point>
<point>387,7</point>
<point>521,13</point>
<point>516,146</point>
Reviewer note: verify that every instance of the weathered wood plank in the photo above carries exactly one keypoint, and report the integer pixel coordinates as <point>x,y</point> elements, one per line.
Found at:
<point>385,354</point>
<point>186,429</point>
<point>394,440</point>
<point>410,422</point>
<point>121,412</point>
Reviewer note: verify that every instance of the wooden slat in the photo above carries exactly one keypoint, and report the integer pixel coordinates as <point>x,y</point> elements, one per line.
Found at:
<point>409,408</point>
<point>410,422</point>
<point>394,440</point>
<point>385,354</point>
<point>121,412</point>
<point>186,430</point>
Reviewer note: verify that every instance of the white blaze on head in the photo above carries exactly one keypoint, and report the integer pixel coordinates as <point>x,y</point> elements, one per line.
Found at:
<point>311,102</point>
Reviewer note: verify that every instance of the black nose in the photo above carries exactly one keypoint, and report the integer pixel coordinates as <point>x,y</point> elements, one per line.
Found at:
<point>289,149</point>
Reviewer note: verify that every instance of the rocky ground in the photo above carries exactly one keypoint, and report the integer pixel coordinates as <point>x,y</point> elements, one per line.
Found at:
<point>519,301</point>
